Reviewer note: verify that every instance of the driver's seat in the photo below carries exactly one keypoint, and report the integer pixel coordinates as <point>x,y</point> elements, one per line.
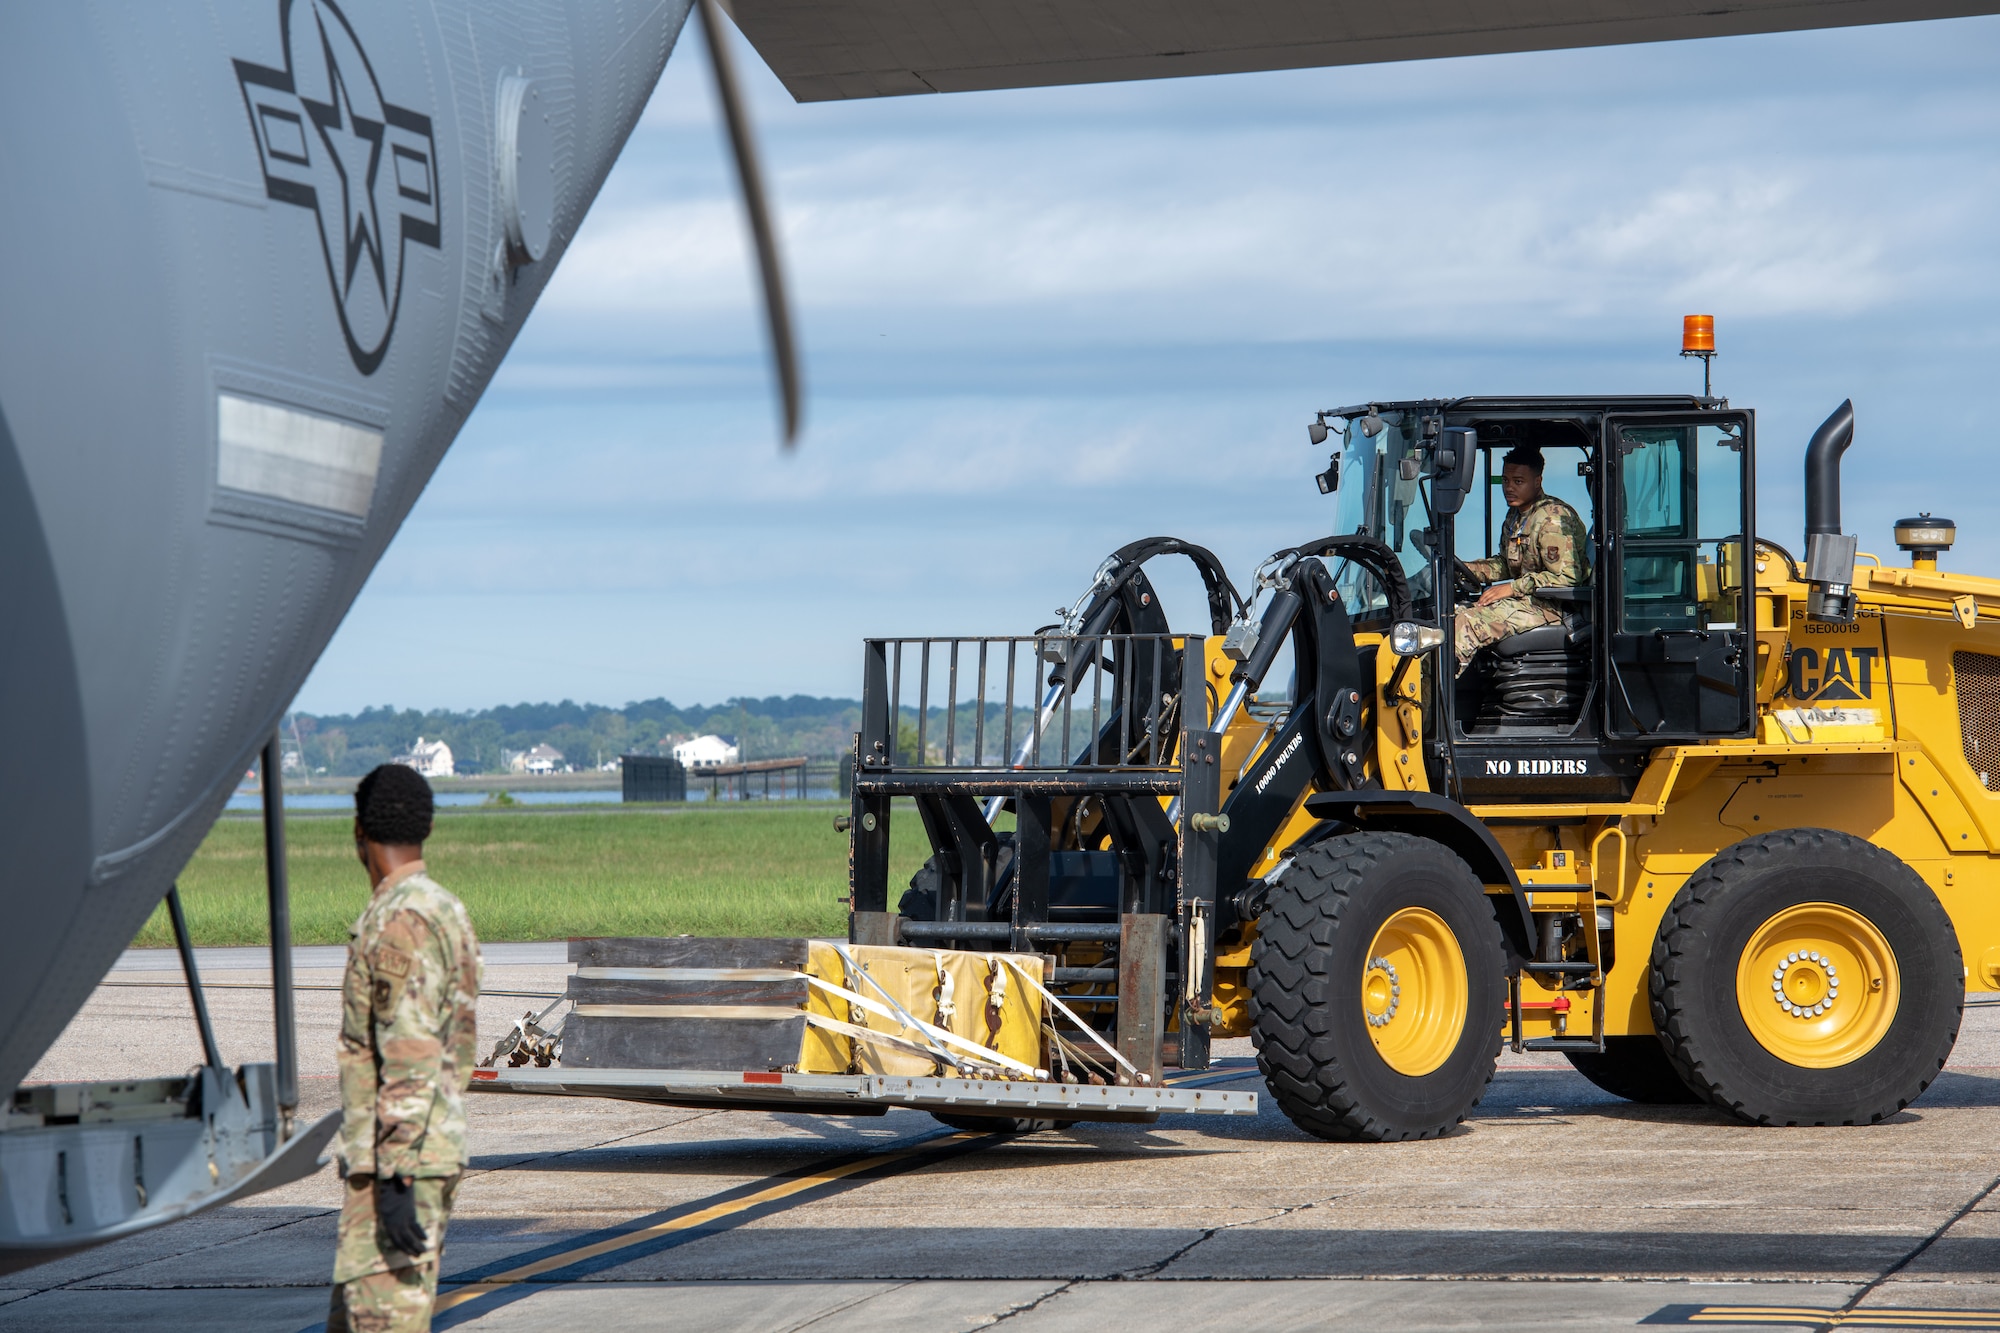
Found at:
<point>1539,677</point>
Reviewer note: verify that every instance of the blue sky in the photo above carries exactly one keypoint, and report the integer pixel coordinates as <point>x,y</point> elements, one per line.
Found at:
<point>1038,324</point>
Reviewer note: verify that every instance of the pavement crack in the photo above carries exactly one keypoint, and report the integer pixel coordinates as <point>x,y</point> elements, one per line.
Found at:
<point>1027,1307</point>
<point>1140,1274</point>
<point>105,1277</point>
<point>1910,1258</point>
<point>844,1306</point>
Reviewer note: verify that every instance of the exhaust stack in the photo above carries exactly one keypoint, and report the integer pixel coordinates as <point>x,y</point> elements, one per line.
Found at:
<point>1829,555</point>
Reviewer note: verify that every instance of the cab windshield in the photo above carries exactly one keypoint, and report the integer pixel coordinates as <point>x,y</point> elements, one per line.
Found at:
<point>1381,497</point>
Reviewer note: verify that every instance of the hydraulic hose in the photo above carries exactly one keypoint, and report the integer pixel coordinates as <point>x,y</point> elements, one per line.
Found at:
<point>1104,609</point>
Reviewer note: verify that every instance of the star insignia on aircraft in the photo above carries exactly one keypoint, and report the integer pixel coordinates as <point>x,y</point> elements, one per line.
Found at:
<point>364,167</point>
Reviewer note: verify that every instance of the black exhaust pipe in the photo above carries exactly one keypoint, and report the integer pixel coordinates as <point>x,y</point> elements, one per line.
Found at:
<point>1829,442</point>
<point>1829,555</point>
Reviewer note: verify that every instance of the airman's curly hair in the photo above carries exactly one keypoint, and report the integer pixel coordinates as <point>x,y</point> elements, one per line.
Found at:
<point>394,806</point>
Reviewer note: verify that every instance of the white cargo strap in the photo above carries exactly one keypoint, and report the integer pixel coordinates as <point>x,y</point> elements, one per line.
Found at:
<point>1066,1049</point>
<point>902,1017</point>
<point>525,1033</point>
<point>873,1037</point>
<point>947,1008</point>
<point>938,1037</point>
<point>1197,949</point>
<point>1065,1011</point>
<point>905,1020</point>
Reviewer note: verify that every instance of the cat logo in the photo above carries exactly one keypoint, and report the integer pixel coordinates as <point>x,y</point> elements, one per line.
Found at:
<point>1847,673</point>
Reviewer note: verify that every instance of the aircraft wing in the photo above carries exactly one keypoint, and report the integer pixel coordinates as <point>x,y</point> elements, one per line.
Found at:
<point>828,50</point>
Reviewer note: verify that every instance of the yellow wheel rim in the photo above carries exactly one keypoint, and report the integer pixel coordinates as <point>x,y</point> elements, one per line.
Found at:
<point>1817,985</point>
<point>1414,991</point>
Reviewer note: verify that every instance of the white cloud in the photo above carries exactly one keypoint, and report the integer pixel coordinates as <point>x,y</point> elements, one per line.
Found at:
<point>1041,323</point>
<point>1532,209</point>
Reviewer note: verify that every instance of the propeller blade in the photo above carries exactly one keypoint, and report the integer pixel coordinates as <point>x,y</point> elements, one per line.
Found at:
<point>777,306</point>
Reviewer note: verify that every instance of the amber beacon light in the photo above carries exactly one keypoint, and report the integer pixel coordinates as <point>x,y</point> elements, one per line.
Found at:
<point>1698,339</point>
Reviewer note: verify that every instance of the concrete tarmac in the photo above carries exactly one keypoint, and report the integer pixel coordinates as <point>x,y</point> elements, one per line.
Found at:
<point>1555,1207</point>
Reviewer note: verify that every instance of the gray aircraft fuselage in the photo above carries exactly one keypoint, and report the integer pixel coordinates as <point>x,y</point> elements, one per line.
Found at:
<point>257,264</point>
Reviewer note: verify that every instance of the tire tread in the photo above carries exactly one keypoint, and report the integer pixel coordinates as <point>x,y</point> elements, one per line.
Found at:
<point>1694,1052</point>
<point>1288,965</point>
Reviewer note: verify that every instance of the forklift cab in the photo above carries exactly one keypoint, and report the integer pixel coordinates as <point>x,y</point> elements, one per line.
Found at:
<point>1655,647</point>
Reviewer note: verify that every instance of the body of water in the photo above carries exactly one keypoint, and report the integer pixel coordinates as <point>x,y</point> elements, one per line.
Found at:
<point>333,800</point>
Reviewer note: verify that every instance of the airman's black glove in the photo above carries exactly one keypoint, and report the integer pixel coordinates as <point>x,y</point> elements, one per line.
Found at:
<point>396,1207</point>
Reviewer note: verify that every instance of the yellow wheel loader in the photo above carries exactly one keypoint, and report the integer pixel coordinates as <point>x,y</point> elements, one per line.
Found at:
<point>1722,829</point>
<point>1717,822</point>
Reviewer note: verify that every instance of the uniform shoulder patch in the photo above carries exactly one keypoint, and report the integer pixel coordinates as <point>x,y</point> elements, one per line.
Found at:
<point>393,961</point>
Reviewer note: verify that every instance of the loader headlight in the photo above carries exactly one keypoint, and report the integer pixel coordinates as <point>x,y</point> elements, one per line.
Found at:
<point>1409,639</point>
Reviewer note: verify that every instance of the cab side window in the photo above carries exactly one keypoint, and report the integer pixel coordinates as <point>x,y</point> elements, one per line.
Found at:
<point>1681,496</point>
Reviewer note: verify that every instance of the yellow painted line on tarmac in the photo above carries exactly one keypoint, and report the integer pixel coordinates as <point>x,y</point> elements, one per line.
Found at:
<point>1882,1317</point>
<point>687,1222</point>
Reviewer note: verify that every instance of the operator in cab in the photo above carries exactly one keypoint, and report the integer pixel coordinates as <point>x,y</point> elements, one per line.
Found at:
<point>1543,544</point>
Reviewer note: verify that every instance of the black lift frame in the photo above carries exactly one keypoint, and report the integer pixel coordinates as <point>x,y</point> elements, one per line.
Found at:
<point>1146,738</point>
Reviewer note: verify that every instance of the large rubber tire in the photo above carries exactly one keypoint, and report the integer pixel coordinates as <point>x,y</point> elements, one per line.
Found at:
<point>1718,914</point>
<point>1308,968</point>
<point>1637,1069</point>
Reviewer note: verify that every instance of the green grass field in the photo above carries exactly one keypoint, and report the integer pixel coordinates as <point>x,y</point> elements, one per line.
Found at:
<point>737,870</point>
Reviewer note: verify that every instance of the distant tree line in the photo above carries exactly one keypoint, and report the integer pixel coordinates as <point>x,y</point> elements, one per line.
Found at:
<point>349,744</point>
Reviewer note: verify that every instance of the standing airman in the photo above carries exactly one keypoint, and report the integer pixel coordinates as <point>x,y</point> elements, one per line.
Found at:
<point>407,1033</point>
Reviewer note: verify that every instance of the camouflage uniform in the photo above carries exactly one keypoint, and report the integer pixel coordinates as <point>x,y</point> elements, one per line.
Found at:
<point>407,1034</point>
<point>1544,545</point>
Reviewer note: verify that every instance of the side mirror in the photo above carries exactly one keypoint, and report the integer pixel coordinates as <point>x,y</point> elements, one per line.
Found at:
<point>1456,450</point>
<point>1317,430</point>
<point>1329,480</point>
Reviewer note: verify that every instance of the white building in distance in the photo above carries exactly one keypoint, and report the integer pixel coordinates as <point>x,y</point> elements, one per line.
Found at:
<point>430,758</point>
<point>708,751</point>
<point>540,761</point>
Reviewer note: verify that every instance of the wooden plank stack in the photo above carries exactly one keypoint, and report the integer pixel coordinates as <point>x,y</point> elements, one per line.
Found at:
<point>687,1004</point>
<point>747,1004</point>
